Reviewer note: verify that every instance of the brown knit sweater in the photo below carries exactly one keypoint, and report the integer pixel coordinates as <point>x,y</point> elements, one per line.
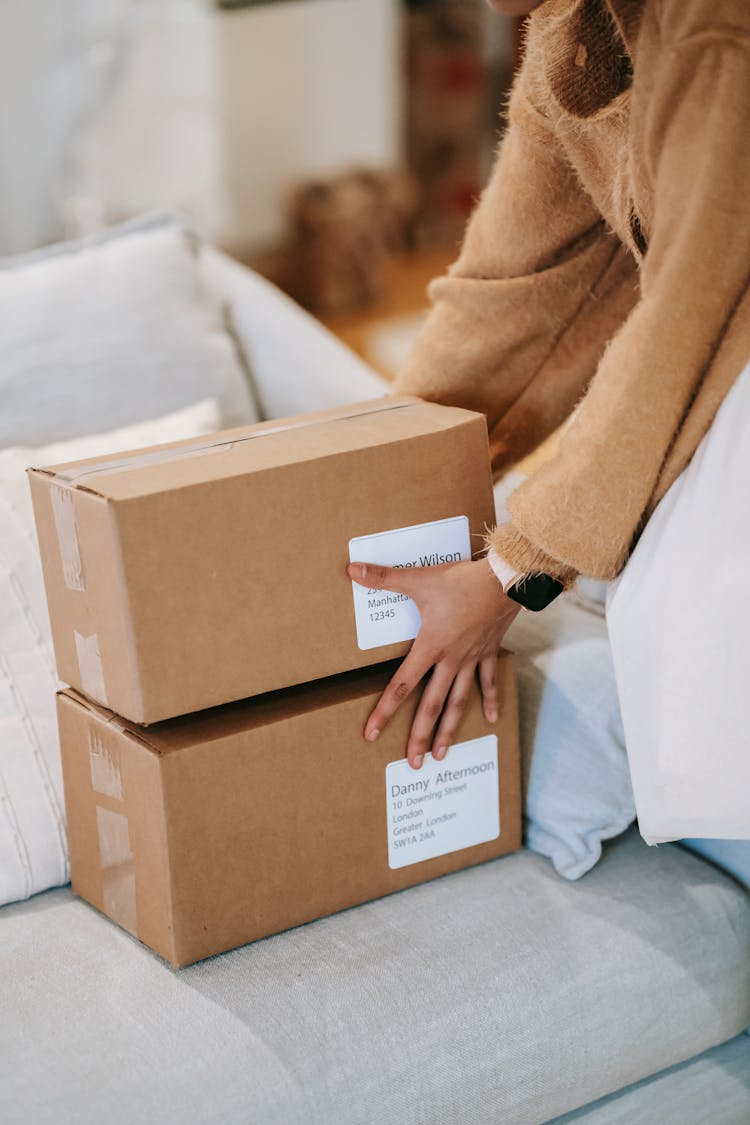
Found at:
<point>605,267</point>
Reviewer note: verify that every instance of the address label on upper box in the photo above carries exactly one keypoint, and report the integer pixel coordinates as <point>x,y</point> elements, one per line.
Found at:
<point>386,618</point>
<point>444,806</point>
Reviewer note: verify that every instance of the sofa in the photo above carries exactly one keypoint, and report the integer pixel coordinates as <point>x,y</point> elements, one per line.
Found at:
<point>501,995</point>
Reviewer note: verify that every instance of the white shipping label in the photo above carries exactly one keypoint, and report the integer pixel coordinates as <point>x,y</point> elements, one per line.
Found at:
<point>444,806</point>
<point>385,618</point>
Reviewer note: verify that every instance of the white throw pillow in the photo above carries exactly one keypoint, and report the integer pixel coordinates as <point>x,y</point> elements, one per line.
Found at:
<point>577,787</point>
<point>679,618</point>
<point>112,331</point>
<point>33,850</point>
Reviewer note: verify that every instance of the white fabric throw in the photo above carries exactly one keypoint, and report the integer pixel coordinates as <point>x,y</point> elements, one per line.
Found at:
<point>33,846</point>
<point>679,623</point>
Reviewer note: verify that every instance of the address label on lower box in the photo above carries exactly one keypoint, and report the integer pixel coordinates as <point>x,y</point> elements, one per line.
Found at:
<point>386,618</point>
<point>444,806</point>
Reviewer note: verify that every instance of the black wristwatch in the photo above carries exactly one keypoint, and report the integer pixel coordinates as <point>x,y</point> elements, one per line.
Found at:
<point>535,591</point>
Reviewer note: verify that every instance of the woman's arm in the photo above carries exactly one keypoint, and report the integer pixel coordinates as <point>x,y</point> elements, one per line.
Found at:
<point>520,321</point>
<point>581,511</point>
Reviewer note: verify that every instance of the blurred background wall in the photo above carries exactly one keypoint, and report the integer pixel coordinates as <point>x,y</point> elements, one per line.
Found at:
<point>112,107</point>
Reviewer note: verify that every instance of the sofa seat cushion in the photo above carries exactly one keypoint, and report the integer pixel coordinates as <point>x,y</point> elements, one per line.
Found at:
<point>502,993</point>
<point>714,1087</point>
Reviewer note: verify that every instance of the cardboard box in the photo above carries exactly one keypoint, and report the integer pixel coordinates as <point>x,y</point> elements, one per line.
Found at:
<point>196,573</point>
<point>203,833</point>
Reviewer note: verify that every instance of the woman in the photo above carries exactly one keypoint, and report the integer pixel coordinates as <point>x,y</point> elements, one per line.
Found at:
<point>605,269</point>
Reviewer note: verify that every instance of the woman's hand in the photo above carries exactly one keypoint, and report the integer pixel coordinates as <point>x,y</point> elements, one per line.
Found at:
<point>465,615</point>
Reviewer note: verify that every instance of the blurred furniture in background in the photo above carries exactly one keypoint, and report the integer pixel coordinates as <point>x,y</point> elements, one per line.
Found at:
<point>343,233</point>
<point>445,119</point>
<point>309,89</point>
<point>114,108</point>
<point>460,62</point>
<point>459,58</point>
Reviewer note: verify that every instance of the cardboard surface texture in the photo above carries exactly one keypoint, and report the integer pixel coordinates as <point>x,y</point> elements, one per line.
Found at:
<point>203,833</point>
<point>193,574</point>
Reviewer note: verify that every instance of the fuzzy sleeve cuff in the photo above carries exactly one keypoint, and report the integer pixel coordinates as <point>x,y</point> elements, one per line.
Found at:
<point>526,557</point>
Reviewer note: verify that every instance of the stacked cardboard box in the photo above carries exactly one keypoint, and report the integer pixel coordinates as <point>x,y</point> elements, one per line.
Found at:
<point>184,578</point>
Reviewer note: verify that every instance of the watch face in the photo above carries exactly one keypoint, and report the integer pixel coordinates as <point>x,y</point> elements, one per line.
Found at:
<point>536,591</point>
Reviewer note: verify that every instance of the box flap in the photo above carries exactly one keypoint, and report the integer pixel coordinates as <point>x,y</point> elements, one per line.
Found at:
<point>257,448</point>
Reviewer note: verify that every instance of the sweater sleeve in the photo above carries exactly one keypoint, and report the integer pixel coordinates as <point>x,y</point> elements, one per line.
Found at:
<point>582,510</point>
<point>520,321</point>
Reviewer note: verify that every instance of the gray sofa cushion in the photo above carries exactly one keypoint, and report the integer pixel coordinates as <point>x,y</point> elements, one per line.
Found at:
<point>501,993</point>
<point>714,1088</point>
<point>295,362</point>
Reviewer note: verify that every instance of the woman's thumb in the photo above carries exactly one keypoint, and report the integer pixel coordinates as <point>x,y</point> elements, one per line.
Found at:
<point>379,577</point>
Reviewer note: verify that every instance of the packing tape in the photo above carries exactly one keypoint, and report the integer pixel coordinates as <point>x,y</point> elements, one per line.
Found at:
<point>90,667</point>
<point>117,868</point>
<point>63,510</point>
<point>161,455</point>
<point>104,767</point>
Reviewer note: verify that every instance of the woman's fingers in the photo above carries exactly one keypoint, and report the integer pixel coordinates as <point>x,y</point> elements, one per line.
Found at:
<point>488,684</point>
<point>454,710</point>
<point>402,684</point>
<point>463,613</point>
<point>430,708</point>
